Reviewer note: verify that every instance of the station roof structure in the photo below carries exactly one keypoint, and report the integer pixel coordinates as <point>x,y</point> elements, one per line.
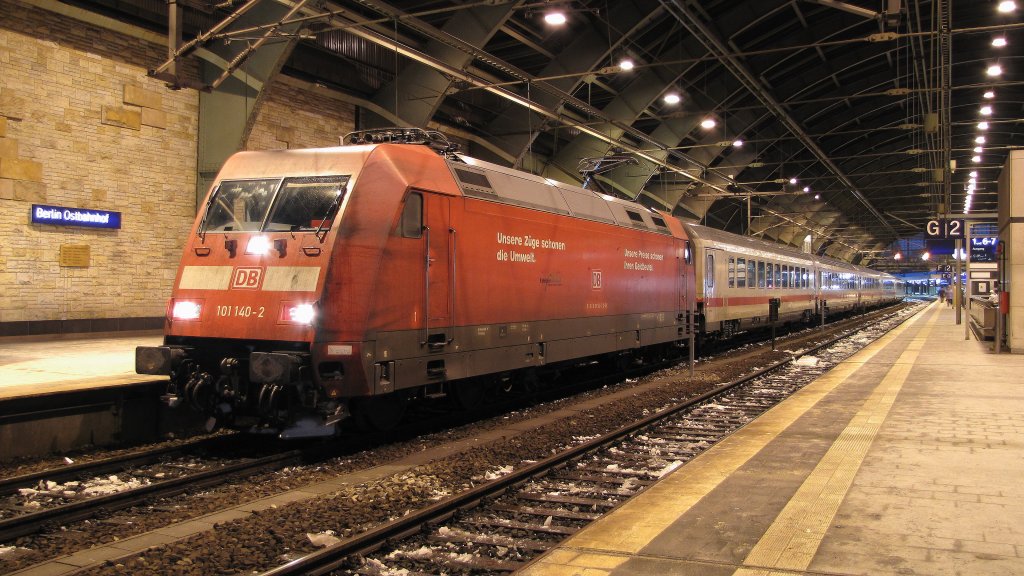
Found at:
<point>848,122</point>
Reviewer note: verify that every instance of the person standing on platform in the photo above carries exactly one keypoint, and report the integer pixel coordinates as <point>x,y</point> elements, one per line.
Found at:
<point>994,295</point>
<point>942,295</point>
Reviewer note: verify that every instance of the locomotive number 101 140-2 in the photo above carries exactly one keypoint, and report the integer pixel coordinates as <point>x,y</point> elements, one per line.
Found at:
<point>241,311</point>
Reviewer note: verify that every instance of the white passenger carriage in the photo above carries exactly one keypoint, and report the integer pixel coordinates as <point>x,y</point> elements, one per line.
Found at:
<point>737,276</point>
<point>838,284</point>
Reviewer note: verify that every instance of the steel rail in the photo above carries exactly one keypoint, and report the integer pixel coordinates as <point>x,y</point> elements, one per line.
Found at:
<point>10,484</point>
<point>30,523</point>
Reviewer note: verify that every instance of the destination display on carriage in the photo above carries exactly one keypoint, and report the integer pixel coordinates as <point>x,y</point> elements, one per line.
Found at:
<point>63,216</point>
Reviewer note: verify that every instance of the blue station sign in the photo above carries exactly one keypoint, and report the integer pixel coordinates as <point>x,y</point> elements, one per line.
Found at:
<point>61,216</point>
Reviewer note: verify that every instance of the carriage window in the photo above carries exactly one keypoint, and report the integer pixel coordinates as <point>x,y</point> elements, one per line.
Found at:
<point>803,277</point>
<point>785,276</point>
<point>709,271</point>
<point>751,274</point>
<point>760,274</point>
<point>741,272</point>
<point>732,272</point>
<point>778,275</point>
<point>412,216</point>
<point>769,278</point>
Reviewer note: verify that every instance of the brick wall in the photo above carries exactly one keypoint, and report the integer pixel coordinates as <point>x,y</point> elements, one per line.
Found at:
<point>294,116</point>
<point>82,126</point>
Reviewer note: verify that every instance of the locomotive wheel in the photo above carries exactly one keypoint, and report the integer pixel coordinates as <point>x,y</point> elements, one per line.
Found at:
<point>530,381</point>
<point>468,394</point>
<point>379,413</point>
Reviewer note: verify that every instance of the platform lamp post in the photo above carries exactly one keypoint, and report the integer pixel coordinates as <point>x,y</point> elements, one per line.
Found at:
<point>898,257</point>
<point>928,286</point>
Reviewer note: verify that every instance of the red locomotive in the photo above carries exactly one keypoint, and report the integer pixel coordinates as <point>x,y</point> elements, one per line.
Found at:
<point>323,284</point>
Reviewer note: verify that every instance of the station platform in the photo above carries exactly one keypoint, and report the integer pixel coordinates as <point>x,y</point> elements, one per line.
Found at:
<point>62,364</point>
<point>907,458</point>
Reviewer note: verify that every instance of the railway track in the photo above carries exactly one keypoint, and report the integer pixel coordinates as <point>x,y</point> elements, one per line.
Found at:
<point>77,492</point>
<point>499,526</point>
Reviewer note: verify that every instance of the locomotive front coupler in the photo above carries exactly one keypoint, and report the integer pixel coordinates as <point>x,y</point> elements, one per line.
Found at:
<point>166,361</point>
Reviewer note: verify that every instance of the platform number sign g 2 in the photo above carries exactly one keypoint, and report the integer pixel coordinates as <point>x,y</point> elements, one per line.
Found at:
<point>944,228</point>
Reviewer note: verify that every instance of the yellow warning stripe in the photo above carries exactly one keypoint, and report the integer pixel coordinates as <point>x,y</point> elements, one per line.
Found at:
<point>791,542</point>
<point>604,545</point>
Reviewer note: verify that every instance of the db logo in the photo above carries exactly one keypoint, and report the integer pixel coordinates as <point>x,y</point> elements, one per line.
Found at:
<point>595,279</point>
<point>246,278</point>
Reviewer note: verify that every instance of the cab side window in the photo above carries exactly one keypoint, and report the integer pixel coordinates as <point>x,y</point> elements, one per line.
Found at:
<point>412,216</point>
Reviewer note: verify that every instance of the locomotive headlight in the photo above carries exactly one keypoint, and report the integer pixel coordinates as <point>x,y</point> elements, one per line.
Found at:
<point>258,245</point>
<point>185,310</point>
<point>301,313</point>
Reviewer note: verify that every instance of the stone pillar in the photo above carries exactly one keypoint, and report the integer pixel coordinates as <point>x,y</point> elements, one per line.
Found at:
<point>1011,232</point>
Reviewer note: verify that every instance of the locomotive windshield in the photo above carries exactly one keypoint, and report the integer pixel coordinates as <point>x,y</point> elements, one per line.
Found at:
<point>239,206</point>
<point>293,204</point>
<point>307,203</point>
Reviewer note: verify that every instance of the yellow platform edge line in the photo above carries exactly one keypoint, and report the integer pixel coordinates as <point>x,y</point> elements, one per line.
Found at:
<point>791,542</point>
<point>596,550</point>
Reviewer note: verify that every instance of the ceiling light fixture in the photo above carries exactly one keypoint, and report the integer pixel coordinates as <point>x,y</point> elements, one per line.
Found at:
<point>982,125</point>
<point>975,159</point>
<point>1007,6</point>
<point>708,123</point>
<point>817,196</point>
<point>978,149</point>
<point>973,174</point>
<point>994,70</point>
<point>989,95</point>
<point>807,188</point>
<point>986,110</point>
<point>792,180</point>
<point>999,41</point>
<point>979,140</point>
<point>672,98</point>
<point>737,143</point>
<point>626,65</point>
<point>555,18</point>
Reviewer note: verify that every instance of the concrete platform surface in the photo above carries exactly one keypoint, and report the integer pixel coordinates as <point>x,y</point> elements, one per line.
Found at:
<point>35,367</point>
<point>907,458</point>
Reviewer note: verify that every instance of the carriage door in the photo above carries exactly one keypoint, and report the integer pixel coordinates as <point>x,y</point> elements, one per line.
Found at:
<point>438,239</point>
<point>710,280</point>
